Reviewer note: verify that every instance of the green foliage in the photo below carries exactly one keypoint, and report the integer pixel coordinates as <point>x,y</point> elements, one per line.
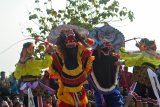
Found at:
<point>84,13</point>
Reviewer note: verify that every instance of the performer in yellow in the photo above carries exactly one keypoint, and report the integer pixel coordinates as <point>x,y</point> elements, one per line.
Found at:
<point>72,63</point>
<point>147,58</point>
<point>28,70</point>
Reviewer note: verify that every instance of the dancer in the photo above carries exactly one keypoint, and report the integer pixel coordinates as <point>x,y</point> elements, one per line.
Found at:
<point>147,59</point>
<point>104,78</point>
<point>72,63</point>
<point>28,71</point>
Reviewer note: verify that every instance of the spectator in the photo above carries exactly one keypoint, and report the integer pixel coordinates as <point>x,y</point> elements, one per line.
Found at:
<point>48,101</point>
<point>4,104</point>
<point>18,104</point>
<point>13,85</point>
<point>9,101</point>
<point>15,99</point>
<point>4,85</point>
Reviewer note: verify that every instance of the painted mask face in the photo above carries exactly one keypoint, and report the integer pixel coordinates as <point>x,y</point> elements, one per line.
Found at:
<point>70,39</point>
<point>106,48</point>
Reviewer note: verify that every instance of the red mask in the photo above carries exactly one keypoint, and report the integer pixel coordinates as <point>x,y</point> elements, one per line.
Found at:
<point>70,39</point>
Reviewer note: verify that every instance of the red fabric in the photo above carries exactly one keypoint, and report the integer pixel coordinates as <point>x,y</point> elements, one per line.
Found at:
<point>57,63</point>
<point>40,102</point>
<point>74,81</point>
<point>125,79</point>
<point>85,55</point>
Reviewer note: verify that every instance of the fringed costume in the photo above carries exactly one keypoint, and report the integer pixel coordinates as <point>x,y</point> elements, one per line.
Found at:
<point>72,64</point>
<point>104,78</point>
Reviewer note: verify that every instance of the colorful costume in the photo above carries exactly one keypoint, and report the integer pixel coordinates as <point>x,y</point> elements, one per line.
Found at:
<point>141,89</point>
<point>28,72</point>
<point>104,77</point>
<point>72,63</point>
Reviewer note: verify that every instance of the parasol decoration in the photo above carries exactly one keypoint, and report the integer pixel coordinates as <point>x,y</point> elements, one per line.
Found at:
<point>108,33</point>
<point>55,32</point>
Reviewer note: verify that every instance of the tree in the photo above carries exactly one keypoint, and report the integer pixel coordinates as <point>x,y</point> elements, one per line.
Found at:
<point>84,13</point>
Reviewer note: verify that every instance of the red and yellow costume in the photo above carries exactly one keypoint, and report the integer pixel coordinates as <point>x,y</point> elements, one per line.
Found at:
<point>72,63</point>
<point>71,81</point>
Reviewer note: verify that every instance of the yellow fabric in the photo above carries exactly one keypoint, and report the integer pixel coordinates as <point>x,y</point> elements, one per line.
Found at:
<point>32,67</point>
<point>74,89</point>
<point>78,70</point>
<point>89,64</point>
<point>66,97</point>
<point>63,91</point>
<point>137,59</point>
<point>73,72</point>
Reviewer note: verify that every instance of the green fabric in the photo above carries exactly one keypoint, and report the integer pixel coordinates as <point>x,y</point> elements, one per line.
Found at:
<point>137,59</point>
<point>32,67</point>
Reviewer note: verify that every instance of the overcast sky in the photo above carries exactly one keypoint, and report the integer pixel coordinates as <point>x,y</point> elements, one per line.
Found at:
<point>14,20</point>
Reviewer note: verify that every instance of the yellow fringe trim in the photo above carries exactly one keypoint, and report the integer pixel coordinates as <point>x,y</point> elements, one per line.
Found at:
<point>79,69</point>
<point>73,72</point>
<point>89,64</point>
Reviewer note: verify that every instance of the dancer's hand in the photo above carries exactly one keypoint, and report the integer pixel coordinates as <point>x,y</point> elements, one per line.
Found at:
<point>50,49</point>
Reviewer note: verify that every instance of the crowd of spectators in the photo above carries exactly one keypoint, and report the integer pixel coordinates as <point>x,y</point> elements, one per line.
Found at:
<point>10,95</point>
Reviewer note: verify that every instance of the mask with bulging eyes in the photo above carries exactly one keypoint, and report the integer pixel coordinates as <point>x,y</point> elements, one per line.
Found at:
<point>70,39</point>
<point>106,48</point>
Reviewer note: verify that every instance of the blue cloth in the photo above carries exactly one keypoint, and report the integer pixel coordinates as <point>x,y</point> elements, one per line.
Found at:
<point>114,99</point>
<point>14,86</point>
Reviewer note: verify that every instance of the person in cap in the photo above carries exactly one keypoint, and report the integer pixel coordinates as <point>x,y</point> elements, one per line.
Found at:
<point>4,84</point>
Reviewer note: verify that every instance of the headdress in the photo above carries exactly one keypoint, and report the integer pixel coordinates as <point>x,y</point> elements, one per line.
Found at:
<point>146,44</point>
